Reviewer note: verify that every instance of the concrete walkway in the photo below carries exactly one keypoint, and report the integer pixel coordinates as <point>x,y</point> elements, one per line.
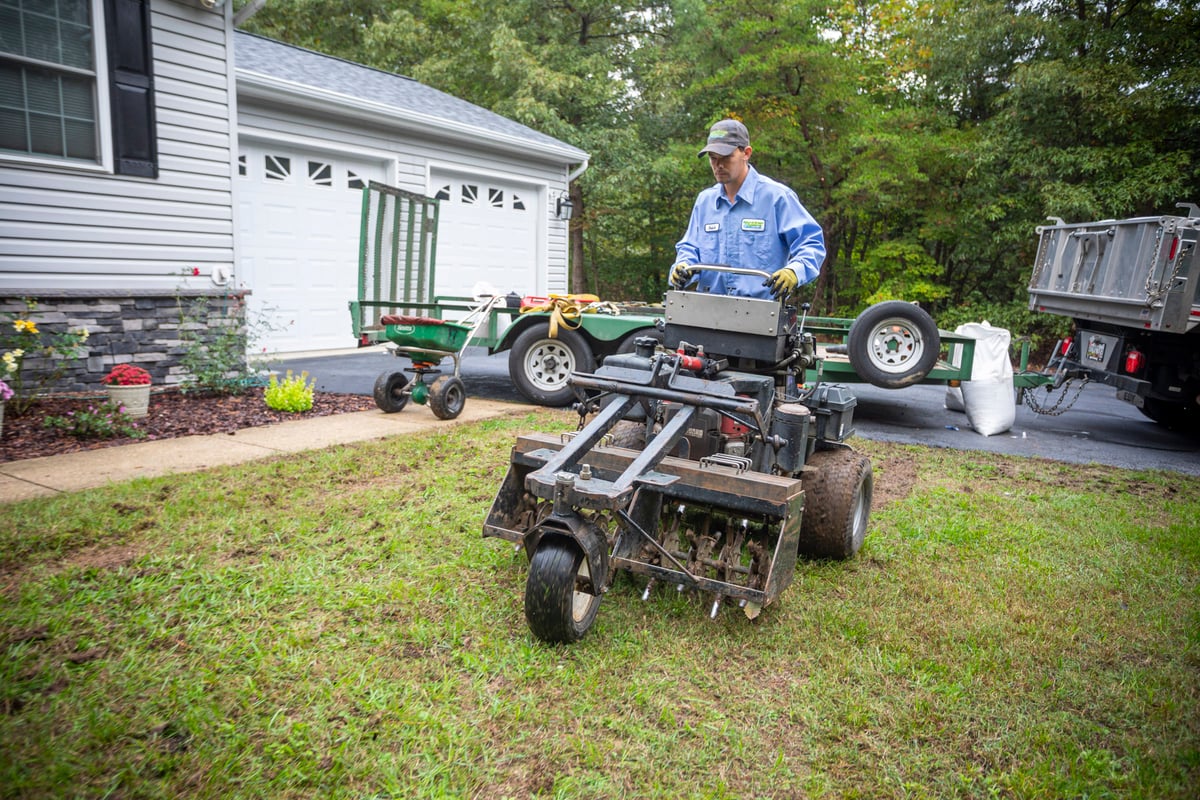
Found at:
<point>41,477</point>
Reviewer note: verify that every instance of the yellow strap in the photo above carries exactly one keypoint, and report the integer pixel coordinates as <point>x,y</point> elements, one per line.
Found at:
<point>563,311</point>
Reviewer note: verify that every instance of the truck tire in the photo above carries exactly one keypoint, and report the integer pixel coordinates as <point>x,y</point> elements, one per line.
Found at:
<point>629,341</point>
<point>447,397</point>
<point>629,434</point>
<point>540,366</point>
<point>837,503</point>
<point>893,344</point>
<point>389,392</point>
<point>1183,417</point>
<point>555,611</point>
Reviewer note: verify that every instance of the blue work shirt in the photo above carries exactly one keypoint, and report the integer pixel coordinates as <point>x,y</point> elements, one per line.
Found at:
<point>765,228</point>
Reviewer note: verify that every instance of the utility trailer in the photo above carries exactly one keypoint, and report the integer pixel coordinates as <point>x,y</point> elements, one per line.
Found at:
<point>1131,288</point>
<point>701,469</point>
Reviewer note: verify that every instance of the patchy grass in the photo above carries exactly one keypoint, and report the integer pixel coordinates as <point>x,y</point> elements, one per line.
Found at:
<point>332,624</point>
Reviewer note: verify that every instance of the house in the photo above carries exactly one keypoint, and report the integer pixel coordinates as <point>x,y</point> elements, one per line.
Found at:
<point>154,154</point>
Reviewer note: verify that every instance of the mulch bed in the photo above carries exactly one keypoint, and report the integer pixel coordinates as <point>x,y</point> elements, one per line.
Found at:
<point>172,414</point>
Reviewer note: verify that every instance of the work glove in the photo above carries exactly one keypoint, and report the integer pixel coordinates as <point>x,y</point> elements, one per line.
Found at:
<point>681,275</point>
<point>783,282</point>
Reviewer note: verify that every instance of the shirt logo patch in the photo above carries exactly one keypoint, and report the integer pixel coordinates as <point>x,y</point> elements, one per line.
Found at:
<point>712,227</point>
<point>754,225</point>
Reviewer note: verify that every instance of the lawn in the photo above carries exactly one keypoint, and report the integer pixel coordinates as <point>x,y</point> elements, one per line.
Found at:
<point>332,624</point>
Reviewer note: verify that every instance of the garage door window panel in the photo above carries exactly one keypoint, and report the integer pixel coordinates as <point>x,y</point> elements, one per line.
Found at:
<point>277,168</point>
<point>320,173</point>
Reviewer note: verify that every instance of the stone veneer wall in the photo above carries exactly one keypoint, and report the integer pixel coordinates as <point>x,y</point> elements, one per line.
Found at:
<point>138,329</point>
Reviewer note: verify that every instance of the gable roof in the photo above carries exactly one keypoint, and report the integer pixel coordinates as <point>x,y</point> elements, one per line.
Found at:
<point>268,68</point>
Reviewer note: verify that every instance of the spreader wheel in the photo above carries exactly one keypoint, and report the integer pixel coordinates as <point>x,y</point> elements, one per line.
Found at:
<point>837,503</point>
<point>540,365</point>
<point>389,392</point>
<point>555,609</point>
<point>447,396</point>
<point>893,344</point>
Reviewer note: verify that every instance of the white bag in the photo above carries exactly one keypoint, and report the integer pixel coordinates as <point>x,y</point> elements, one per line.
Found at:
<point>989,397</point>
<point>954,399</point>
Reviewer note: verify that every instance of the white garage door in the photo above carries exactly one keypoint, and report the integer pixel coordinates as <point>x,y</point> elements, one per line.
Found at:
<point>487,234</point>
<point>298,219</point>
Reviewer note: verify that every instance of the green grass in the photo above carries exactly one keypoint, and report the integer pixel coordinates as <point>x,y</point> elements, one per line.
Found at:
<point>332,624</point>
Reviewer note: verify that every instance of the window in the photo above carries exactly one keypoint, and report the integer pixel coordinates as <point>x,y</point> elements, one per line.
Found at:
<point>242,165</point>
<point>470,194</point>
<point>518,203</point>
<point>353,181</point>
<point>495,198</point>
<point>443,193</point>
<point>55,82</point>
<point>320,173</point>
<point>277,168</point>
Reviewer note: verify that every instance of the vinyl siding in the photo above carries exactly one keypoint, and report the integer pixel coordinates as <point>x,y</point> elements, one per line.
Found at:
<point>64,229</point>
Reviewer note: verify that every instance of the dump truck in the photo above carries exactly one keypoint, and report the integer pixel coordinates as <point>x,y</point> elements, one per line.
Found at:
<point>1131,288</point>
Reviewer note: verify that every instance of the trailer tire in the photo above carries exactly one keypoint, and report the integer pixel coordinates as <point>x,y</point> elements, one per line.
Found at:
<point>893,344</point>
<point>837,503</point>
<point>389,392</point>
<point>447,397</point>
<point>540,366</point>
<point>555,611</point>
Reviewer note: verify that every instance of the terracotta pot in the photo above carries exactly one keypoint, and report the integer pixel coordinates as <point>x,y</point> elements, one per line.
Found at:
<point>135,399</point>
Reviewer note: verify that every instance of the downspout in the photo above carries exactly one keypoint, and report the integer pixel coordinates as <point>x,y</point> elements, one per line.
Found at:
<point>570,178</point>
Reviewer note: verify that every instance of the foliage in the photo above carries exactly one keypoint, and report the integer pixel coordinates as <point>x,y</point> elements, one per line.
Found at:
<point>32,359</point>
<point>331,624</point>
<point>215,342</point>
<point>935,135</point>
<point>292,394</point>
<point>106,420</point>
<point>126,375</point>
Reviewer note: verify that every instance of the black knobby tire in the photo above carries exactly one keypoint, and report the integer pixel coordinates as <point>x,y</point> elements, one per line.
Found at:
<point>540,366</point>
<point>837,503</point>
<point>389,392</point>
<point>447,396</point>
<point>628,434</point>
<point>893,344</point>
<point>555,611</point>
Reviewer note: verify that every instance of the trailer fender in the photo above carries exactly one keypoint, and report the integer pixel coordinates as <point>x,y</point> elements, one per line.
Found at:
<point>587,536</point>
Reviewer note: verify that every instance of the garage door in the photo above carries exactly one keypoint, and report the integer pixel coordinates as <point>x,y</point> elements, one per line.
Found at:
<point>487,234</point>
<point>298,218</point>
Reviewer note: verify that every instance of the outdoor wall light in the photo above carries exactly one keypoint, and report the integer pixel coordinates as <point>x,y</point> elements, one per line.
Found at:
<point>564,208</point>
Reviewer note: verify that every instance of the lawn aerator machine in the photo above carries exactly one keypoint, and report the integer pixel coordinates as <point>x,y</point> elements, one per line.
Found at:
<point>706,466</point>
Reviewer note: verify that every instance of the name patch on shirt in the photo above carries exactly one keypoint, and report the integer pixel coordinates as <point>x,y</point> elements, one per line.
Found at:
<point>754,225</point>
<point>712,227</point>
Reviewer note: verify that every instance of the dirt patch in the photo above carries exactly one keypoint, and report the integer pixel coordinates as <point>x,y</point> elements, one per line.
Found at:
<point>895,477</point>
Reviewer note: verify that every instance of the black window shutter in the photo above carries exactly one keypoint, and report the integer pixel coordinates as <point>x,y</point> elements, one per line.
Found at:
<point>131,87</point>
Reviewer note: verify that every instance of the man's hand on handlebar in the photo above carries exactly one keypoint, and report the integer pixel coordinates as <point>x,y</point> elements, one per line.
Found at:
<point>782,283</point>
<point>681,275</point>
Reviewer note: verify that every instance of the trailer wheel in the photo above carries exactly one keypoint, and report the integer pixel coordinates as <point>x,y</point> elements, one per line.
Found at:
<point>554,609</point>
<point>540,366</point>
<point>837,503</point>
<point>447,396</point>
<point>893,344</point>
<point>389,392</point>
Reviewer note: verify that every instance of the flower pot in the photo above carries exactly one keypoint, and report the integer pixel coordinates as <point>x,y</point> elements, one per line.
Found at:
<point>135,399</point>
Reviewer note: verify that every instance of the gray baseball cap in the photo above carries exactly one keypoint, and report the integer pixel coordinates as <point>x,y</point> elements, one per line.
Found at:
<point>725,137</point>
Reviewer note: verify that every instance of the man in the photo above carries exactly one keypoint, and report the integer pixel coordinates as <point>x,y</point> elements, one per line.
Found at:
<point>747,220</point>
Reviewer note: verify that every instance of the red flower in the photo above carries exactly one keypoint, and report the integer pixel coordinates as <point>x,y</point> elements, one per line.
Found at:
<point>126,375</point>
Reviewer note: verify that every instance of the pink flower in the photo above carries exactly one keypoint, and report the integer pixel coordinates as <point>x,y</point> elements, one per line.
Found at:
<point>126,375</point>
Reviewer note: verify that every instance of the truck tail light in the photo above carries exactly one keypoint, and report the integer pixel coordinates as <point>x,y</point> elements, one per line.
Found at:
<point>1134,361</point>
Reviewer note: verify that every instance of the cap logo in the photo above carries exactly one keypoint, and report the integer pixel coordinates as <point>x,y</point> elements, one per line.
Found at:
<point>719,134</point>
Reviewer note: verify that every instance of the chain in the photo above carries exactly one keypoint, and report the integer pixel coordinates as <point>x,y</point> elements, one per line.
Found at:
<point>1057,409</point>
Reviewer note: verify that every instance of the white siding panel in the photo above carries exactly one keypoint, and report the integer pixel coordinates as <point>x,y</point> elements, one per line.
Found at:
<point>65,229</point>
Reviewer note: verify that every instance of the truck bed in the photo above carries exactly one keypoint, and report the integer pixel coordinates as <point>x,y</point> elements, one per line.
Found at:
<point>1141,272</point>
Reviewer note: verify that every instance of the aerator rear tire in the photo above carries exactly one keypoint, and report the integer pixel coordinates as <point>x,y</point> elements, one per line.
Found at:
<point>389,392</point>
<point>540,365</point>
<point>837,503</point>
<point>447,397</point>
<point>893,344</point>
<point>555,611</point>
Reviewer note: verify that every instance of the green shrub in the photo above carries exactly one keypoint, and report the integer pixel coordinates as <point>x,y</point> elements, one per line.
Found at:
<point>104,421</point>
<point>292,394</point>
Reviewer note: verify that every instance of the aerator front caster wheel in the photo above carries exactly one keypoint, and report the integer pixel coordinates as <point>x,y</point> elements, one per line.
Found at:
<point>893,344</point>
<point>390,394</point>
<point>540,366</point>
<point>837,503</point>
<point>447,396</point>
<point>555,610</point>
